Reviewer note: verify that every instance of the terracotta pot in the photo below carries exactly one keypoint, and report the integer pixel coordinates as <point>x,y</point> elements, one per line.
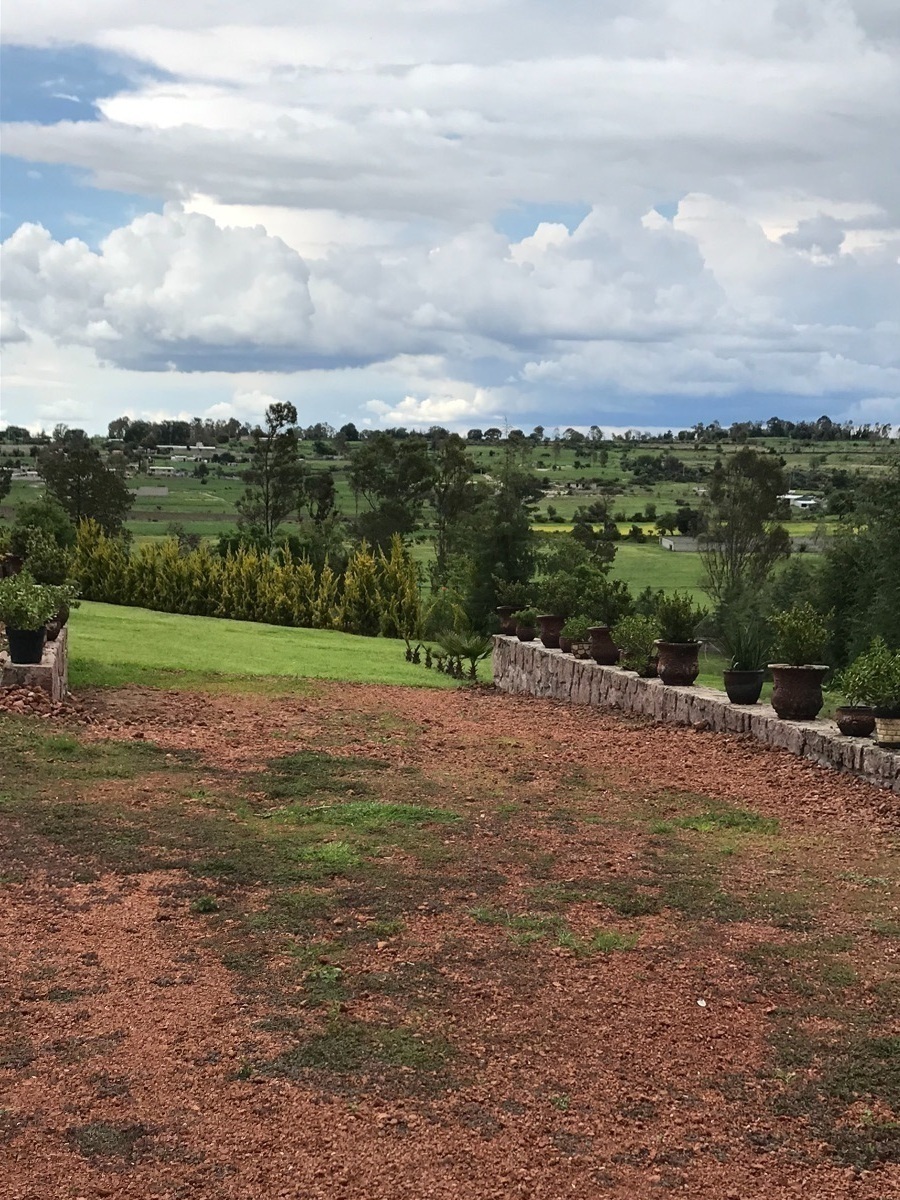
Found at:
<point>855,720</point>
<point>797,694</point>
<point>887,727</point>
<point>743,687</point>
<point>550,626</point>
<point>525,633</point>
<point>25,645</point>
<point>565,644</point>
<point>678,663</point>
<point>603,649</point>
<point>507,625</point>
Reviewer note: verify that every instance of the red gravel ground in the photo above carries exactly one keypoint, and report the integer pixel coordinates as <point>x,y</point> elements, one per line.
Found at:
<point>432,1018</point>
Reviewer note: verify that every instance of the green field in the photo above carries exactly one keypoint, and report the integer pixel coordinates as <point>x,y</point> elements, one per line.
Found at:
<point>114,646</point>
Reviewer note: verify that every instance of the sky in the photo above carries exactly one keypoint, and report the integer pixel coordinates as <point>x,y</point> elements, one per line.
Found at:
<point>624,213</point>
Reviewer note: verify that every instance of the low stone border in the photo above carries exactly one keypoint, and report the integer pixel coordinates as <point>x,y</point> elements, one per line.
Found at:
<point>50,675</point>
<point>529,668</point>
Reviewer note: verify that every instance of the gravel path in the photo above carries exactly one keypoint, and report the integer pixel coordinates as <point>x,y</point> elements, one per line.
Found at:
<point>132,1053</point>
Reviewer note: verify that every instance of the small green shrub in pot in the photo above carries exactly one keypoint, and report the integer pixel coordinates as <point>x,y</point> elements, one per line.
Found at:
<point>677,618</point>
<point>636,638</point>
<point>801,634</point>
<point>678,650</point>
<point>526,623</point>
<point>746,643</point>
<point>25,609</point>
<point>576,628</point>
<point>873,680</point>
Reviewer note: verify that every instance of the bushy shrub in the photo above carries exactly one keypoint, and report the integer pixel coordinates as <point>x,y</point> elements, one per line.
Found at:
<point>801,633</point>
<point>635,637</point>
<point>377,593</point>
<point>678,617</point>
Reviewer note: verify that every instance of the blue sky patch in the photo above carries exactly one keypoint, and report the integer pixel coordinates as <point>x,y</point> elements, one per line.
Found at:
<point>60,199</point>
<point>522,220</point>
<point>63,83</point>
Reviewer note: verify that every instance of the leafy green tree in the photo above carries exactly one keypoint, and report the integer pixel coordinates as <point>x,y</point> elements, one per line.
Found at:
<point>5,481</point>
<point>743,540</point>
<point>316,496</point>
<point>392,479</point>
<point>274,475</point>
<point>85,487</point>
<point>451,497</point>
<point>500,542</point>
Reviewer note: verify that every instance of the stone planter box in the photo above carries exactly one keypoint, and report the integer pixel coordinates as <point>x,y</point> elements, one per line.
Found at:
<point>50,675</point>
<point>530,669</point>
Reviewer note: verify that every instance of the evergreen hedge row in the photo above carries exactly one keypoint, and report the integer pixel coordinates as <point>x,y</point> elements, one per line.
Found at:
<point>377,594</point>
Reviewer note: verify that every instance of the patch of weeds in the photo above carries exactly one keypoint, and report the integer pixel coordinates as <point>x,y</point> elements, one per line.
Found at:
<point>785,910</point>
<point>521,923</point>
<point>102,1140</point>
<point>351,1047</point>
<point>313,773</point>
<point>331,858</point>
<point>841,1074</point>
<point>561,1102</point>
<point>292,911</point>
<point>601,941</point>
<point>387,928</point>
<point>885,929</point>
<point>366,816</point>
<point>866,881</point>
<point>205,904</point>
<point>719,819</point>
<point>322,983</point>
<point>63,995</point>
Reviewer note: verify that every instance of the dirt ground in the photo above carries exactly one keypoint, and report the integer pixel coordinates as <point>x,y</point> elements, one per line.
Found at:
<point>380,943</point>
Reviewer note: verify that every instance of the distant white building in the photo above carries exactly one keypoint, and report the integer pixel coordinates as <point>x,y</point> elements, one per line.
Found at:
<point>161,472</point>
<point>800,500</point>
<point>196,453</point>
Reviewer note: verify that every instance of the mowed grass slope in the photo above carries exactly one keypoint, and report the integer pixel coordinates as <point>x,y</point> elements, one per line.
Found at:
<point>114,646</point>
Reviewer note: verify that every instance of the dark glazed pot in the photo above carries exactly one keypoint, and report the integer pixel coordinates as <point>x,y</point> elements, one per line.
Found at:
<point>550,626</point>
<point>507,624</point>
<point>797,694</point>
<point>25,645</point>
<point>855,720</point>
<point>55,624</point>
<point>678,663</point>
<point>525,633</point>
<point>743,687</point>
<point>565,644</point>
<point>603,649</point>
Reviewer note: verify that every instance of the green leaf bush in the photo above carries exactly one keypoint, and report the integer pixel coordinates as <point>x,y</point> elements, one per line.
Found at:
<point>378,593</point>
<point>873,678</point>
<point>801,633</point>
<point>28,605</point>
<point>677,618</point>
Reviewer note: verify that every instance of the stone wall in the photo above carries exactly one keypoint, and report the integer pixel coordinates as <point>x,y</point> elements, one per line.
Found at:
<point>50,675</point>
<point>529,668</point>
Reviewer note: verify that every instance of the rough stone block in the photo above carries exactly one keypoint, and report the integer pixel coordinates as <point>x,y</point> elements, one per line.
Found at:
<point>50,675</point>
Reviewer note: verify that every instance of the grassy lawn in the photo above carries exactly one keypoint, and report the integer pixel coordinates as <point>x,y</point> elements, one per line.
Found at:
<point>113,645</point>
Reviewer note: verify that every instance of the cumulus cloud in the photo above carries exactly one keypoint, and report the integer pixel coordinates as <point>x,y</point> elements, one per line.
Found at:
<point>337,179</point>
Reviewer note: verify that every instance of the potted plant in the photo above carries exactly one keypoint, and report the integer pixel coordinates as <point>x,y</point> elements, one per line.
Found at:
<point>526,621</point>
<point>48,562</point>
<point>559,597</point>
<point>747,645</point>
<point>856,718</point>
<point>873,680</point>
<point>25,609</point>
<point>512,596</point>
<point>603,649</point>
<point>574,637</point>
<point>636,639</point>
<point>678,648</point>
<point>800,636</point>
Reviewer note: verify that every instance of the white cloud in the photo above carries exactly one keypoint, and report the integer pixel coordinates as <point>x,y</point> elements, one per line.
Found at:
<point>343,170</point>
